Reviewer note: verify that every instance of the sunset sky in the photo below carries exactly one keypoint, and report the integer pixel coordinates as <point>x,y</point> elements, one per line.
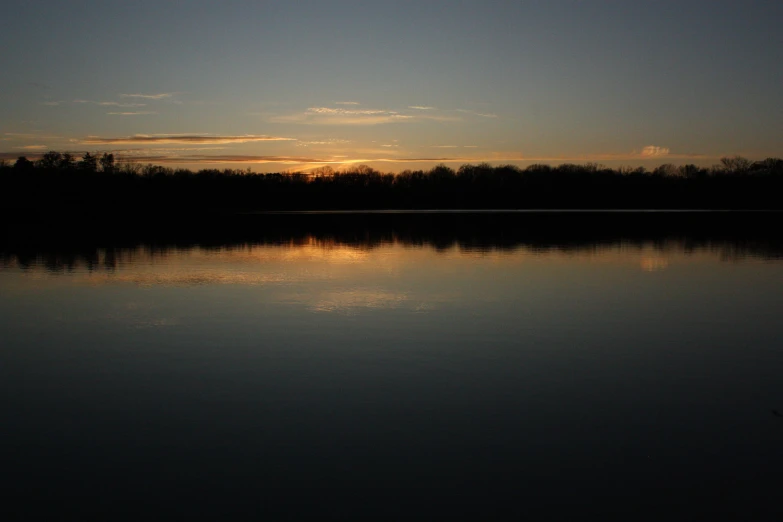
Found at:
<point>406,84</point>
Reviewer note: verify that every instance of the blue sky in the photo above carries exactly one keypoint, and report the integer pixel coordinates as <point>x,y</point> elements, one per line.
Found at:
<point>297,85</point>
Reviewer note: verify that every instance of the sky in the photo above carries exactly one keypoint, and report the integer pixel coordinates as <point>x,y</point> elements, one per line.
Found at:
<point>292,86</point>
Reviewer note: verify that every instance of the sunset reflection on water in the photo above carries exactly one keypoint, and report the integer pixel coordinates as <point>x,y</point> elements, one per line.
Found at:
<point>266,362</point>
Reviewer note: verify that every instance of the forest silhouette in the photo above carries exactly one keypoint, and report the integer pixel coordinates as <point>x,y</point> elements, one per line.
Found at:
<point>62,182</point>
<point>103,243</point>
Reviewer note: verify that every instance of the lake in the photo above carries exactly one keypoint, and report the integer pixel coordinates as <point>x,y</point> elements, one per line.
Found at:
<point>408,369</point>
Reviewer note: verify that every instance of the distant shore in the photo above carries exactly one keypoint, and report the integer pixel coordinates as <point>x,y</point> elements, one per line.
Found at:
<point>65,238</point>
<point>59,183</point>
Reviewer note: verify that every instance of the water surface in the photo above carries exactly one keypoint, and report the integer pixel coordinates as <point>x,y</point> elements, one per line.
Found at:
<point>334,378</point>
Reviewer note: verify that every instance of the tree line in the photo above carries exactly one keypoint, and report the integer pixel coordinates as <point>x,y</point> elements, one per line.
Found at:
<point>58,245</point>
<point>101,182</point>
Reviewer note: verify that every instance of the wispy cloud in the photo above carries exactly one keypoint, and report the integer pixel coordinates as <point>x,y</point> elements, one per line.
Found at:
<point>652,151</point>
<point>346,103</point>
<point>661,153</point>
<point>230,158</point>
<point>339,160</point>
<point>296,159</point>
<point>421,107</point>
<point>34,147</point>
<point>51,103</point>
<point>334,141</point>
<point>476,113</point>
<point>341,116</point>
<point>362,112</point>
<point>110,103</point>
<point>456,159</point>
<point>174,156</point>
<point>445,146</point>
<point>164,150</point>
<point>135,154</point>
<point>181,139</point>
<point>159,96</point>
<point>136,113</point>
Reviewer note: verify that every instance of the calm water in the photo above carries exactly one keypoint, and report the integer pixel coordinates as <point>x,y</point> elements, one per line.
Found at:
<point>397,379</point>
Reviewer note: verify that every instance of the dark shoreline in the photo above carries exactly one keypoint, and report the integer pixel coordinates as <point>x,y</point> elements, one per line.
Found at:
<point>230,224</point>
<point>72,237</point>
<point>58,180</point>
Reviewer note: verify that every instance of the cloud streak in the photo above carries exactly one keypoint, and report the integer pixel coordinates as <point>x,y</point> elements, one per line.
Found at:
<point>352,112</point>
<point>332,141</point>
<point>476,113</point>
<point>632,156</point>
<point>181,139</point>
<point>171,156</point>
<point>310,160</point>
<point>136,113</point>
<point>172,153</point>
<point>110,103</point>
<point>159,96</point>
<point>234,158</point>
<point>332,116</point>
<point>348,116</point>
<point>652,151</point>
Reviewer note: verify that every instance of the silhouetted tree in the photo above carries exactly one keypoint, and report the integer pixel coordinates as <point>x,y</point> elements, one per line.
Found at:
<point>56,180</point>
<point>23,164</point>
<point>50,160</point>
<point>666,170</point>
<point>441,173</point>
<point>67,161</point>
<point>107,163</point>
<point>88,163</point>
<point>691,171</point>
<point>149,170</point>
<point>772,166</point>
<point>323,172</point>
<point>129,168</point>
<point>736,164</point>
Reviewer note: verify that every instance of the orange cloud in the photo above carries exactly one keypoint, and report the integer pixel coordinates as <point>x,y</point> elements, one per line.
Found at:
<point>182,139</point>
<point>341,116</point>
<point>651,151</point>
<point>232,158</point>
